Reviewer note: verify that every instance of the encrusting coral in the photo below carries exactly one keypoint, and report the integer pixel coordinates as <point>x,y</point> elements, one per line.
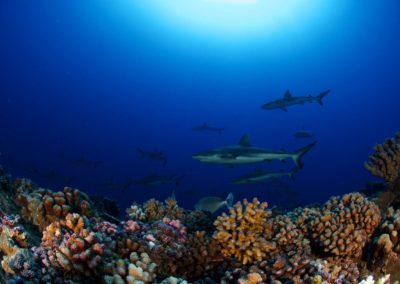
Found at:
<point>243,232</point>
<point>344,225</point>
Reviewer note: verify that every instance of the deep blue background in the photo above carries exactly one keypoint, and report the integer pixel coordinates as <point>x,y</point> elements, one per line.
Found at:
<point>86,78</point>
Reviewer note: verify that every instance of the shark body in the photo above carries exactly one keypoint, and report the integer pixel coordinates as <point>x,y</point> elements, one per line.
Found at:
<point>289,100</point>
<point>155,179</point>
<point>260,175</point>
<point>244,153</point>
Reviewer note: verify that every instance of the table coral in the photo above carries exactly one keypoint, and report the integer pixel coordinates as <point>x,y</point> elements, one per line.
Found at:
<point>42,206</point>
<point>385,162</point>
<point>344,225</point>
<point>243,232</point>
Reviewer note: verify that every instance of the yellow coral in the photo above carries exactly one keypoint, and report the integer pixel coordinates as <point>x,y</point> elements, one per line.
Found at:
<point>385,162</point>
<point>242,233</point>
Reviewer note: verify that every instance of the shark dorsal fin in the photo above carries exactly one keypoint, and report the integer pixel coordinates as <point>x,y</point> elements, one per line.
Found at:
<point>245,141</point>
<point>287,94</point>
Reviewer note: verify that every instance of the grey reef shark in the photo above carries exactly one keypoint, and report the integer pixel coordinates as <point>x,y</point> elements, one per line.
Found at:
<point>245,153</point>
<point>206,127</point>
<point>303,134</point>
<point>155,179</point>
<point>289,100</point>
<point>259,176</point>
<point>153,155</point>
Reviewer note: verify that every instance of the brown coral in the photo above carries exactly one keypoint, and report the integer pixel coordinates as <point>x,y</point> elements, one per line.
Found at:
<point>154,210</point>
<point>344,225</point>
<point>385,162</point>
<point>293,254</point>
<point>42,206</point>
<point>243,232</point>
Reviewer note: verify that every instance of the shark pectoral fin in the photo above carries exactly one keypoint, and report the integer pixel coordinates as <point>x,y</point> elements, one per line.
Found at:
<point>284,109</point>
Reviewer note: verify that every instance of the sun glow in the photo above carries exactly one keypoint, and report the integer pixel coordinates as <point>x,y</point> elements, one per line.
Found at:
<point>230,18</point>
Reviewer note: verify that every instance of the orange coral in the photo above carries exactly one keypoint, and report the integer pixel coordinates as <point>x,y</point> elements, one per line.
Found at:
<point>385,162</point>
<point>243,232</point>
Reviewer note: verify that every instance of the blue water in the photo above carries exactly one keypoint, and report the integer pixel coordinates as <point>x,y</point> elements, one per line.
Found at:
<point>101,78</point>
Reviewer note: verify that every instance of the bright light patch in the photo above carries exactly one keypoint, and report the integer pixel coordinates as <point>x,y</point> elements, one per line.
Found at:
<point>231,18</point>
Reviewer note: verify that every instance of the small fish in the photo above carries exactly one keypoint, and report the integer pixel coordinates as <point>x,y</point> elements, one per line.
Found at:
<point>289,100</point>
<point>302,133</point>
<point>214,203</point>
<point>153,155</point>
<point>205,127</point>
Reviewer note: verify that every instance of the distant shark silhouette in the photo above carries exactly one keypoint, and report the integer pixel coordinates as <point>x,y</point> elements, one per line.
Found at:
<point>205,127</point>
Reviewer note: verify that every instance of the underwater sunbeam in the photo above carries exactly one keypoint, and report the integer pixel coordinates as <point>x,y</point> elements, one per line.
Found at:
<point>232,18</point>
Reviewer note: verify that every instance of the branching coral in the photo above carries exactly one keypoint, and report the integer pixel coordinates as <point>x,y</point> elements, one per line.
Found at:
<point>154,210</point>
<point>42,206</point>
<point>200,256</point>
<point>344,225</point>
<point>293,253</point>
<point>70,245</point>
<point>243,232</point>
<point>385,162</point>
<point>165,241</point>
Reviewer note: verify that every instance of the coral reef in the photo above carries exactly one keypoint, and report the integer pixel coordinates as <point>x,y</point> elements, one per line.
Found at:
<point>41,206</point>
<point>243,232</point>
<point>344,225</point>
<point>342,241</point>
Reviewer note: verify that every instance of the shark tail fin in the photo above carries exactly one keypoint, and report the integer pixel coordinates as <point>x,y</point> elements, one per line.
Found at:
<point>141,153</point>
<point>229,200</point>
<point>300,153</point>
<point>321,96</point>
